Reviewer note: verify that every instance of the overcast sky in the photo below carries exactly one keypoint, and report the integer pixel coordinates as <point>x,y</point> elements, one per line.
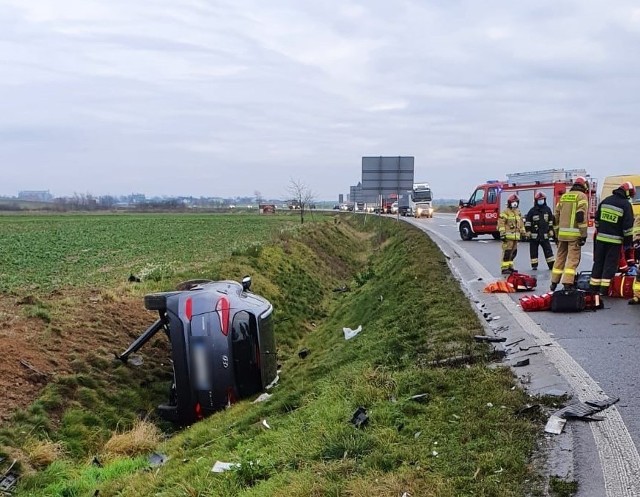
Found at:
<point>222,98</point>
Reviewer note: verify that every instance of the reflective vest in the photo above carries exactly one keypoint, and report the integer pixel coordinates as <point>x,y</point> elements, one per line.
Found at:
<point>614,219</point>
<point>571,216</point>
<point>510,224</point>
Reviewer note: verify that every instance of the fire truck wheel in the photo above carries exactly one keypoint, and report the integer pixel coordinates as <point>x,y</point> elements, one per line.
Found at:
<point>496,235</point>
<point>465,231</point>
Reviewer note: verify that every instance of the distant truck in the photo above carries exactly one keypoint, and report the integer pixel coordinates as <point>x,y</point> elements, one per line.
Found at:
<point>405,204</point>
<point>479,215</point>
<point>421,198</point>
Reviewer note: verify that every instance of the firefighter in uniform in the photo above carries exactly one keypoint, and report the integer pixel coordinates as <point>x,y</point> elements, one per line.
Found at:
<point>539,227</point>
<point>570,227</point>
<point>614,222</point>
<point>636,248</point>
<point>511,229</point>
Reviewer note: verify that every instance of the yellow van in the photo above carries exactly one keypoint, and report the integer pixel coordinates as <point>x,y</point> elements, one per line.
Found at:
<point>613,182</point>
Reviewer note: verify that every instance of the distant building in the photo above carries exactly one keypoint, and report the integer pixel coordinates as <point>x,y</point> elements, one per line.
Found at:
<point>36,195</point>
<point>341,198</point>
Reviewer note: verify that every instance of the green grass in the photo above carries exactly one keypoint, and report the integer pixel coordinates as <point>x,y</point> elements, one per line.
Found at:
<point>412,312</point>
<point>48,251</point>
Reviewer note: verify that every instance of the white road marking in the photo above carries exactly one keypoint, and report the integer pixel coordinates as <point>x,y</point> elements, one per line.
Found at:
<point>618,454</point>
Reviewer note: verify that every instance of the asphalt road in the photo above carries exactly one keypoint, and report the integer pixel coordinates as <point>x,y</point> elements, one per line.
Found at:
<point>604,343</point>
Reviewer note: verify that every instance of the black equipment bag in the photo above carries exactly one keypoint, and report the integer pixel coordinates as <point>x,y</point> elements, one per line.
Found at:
<point>568,301</point>
<point>582,280</point>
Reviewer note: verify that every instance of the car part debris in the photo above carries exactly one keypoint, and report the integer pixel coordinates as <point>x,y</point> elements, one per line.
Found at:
<point>515,343</point>
<point>263,397</point>
<point>349,333</point>
<point>133,279</point>
<point>273,383</point>
<point>303,353</point>
<point>485,338</point>
<point>602,404</point>
<point>8,481</point>
<point>421,397</point>
<point>524,349</point>
<point>156,460</point>
<point>523,362</point>
<point>583,410</point>
<point>221,467</point>
<point>265,424</point>
<point>529,409</point>
<point>342,289</point>
<point>360,418</point>
<point>555,425</point>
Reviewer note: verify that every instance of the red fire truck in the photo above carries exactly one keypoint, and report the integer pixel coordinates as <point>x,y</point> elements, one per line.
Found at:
<point>479,215</point>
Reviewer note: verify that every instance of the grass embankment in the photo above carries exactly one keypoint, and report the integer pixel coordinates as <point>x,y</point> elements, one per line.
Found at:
<point>462,439</point>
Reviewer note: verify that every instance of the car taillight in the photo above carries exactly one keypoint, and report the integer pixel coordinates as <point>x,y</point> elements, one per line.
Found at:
<point>231,397</point>
<point>222,307</point>
<point>198,410</point>
<point>188,308</point>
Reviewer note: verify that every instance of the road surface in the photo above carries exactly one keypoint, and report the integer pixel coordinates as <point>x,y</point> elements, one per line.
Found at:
<point>593,353</point>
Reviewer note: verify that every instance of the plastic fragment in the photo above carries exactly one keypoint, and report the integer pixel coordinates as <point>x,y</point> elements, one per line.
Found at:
<point>262,398</point>
<point>221,467</point>
<point>349,333</point>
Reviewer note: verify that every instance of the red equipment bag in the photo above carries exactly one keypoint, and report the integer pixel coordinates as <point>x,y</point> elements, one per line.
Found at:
<point>532,303</point>
<point>592,301</point>
<point>522,282</point>
<point>621,286</point>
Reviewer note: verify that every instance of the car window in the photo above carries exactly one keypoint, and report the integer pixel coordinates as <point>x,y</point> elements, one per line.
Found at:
<point>492,196</point>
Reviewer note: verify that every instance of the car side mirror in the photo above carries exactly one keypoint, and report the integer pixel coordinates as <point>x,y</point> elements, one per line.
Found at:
<point>246,283</point>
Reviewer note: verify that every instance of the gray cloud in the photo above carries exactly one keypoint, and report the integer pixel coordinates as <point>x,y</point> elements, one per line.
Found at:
<point>222,98</point>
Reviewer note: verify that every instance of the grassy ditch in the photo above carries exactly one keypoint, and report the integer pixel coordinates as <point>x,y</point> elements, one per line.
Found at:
<point>462,437</point>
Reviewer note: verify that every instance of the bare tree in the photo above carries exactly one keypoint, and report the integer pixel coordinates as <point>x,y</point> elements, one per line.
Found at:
<point>301,197</point>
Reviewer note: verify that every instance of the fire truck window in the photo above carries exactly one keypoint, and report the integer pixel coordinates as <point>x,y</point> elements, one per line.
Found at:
<point>492,196</point>
<point>477,197</point>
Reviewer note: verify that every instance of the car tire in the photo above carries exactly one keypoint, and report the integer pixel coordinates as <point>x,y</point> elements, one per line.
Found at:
<point>495,235</point>
<point>465,231</point>
<point>157,301</point>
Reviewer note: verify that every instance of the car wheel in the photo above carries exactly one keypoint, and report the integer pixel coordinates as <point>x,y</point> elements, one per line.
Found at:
<point>495,235</point>
<point>465,232</point>
<point>157,301</point>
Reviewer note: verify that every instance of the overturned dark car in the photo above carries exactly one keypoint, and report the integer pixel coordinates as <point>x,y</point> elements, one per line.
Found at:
<point>222,345</point>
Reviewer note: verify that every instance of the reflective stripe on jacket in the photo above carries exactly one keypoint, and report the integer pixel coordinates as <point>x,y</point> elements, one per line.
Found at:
<point>571,216</point>
<point>510,224</point>
<point>614,219</point>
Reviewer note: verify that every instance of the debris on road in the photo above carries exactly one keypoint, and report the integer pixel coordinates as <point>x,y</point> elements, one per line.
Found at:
<point>580,410</point>
<point>555,425</point>
<point>523,362</point>
<point>485,338</point>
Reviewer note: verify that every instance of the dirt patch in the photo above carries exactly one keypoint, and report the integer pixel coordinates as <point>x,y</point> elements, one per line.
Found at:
<point>81,322</point>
